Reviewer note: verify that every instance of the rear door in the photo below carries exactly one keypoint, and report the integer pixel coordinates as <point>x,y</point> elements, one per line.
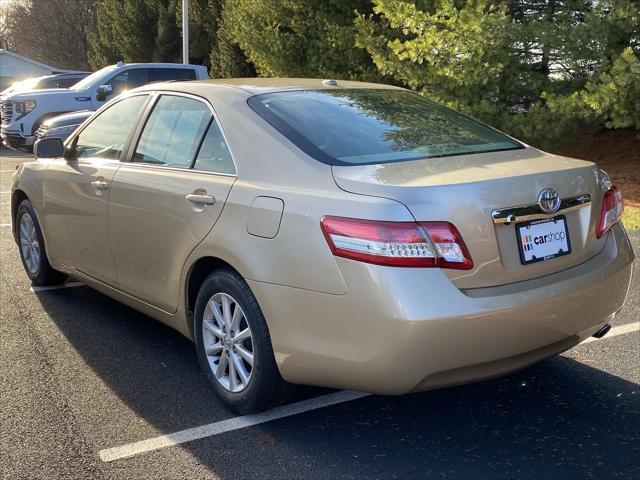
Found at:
<point>76,191</point>
<point>168,197</point>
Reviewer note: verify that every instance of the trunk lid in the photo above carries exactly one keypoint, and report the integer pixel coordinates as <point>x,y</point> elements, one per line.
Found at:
<point>466,189</point>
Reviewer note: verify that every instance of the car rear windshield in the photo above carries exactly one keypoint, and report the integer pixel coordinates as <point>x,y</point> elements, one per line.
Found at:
<point>367,126</point>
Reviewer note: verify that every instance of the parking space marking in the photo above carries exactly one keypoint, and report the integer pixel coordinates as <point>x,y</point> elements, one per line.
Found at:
<point>56,287</point>
<point>5,225</point>
<point>237,423</point>
<point>7,191</point>
<point>615,331</point>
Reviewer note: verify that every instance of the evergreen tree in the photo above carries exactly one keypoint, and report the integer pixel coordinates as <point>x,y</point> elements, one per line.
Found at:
<point>151,30</point>
<point>126,30</point>
<point>298,37</point>
<point>168,42</point>
<point>536,68</point>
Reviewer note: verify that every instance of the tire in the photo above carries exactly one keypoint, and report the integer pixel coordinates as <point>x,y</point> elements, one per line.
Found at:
<point>32,249</point>
<point>264,388</point>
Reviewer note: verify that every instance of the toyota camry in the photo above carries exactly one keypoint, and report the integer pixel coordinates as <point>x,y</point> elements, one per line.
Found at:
<point>331,233</point>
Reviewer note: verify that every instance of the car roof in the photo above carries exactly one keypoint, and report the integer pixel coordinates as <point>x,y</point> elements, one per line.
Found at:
<point>156,64</point>
<point>254,86</point>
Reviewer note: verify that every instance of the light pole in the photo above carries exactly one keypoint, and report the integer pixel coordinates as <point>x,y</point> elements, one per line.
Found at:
<point>185,31</point>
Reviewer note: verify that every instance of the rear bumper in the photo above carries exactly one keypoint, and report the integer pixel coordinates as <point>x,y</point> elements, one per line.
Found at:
<point>16,140</point>
<point>401,330</point>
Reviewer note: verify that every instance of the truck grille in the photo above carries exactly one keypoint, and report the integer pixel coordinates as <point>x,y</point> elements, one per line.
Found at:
<point>6,111</point>
<point>41,131</point>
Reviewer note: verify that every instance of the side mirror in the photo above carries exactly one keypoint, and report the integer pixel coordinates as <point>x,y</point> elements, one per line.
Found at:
<point>48,148</point>
<point>103,92</point>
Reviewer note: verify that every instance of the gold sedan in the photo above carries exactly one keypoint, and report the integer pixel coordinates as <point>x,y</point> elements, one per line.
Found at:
<point>341,234</point>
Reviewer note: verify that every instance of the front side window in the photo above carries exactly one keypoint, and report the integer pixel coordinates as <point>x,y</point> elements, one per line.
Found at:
<point>367,126</point>
<point>173,132</point>
<point>132,78</point>
<point>66,82</point>
<point>96,78</point>
<point>107,133</point>
<point>48,83</point>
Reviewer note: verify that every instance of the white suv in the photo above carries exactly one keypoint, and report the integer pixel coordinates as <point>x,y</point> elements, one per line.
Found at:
<point>23,112</point>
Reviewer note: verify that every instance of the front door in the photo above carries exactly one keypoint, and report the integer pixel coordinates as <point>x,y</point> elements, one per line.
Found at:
<point>76,192</point>
<point>166,200</point>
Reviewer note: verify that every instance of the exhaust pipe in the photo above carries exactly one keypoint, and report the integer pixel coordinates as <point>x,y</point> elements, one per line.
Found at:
<point>602,332</point>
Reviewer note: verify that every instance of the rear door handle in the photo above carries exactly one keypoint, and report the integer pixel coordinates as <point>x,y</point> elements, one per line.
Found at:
<point>200,199</point>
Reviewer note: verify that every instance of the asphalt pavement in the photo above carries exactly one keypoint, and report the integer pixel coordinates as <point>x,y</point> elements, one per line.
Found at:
<point>81,374</point>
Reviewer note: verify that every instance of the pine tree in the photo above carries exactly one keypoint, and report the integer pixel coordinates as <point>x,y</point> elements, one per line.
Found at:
<point>531,67</point>
<point>298,37</point>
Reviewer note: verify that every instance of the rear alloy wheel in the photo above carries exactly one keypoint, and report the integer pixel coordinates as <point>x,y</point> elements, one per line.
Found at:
<point>234,346</point>
<point>32,250</point>
<point>228,342</point>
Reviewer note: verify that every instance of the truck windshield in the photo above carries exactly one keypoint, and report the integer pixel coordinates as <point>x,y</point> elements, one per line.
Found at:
<point>365,126</point>
<point>96,78</point>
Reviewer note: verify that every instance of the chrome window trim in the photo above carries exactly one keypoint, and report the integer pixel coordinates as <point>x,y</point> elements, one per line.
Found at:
<point>524,213</point>
<point>175,169</point>
<point>214,119</point>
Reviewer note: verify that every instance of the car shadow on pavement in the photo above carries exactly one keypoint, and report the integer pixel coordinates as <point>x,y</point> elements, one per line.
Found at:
<point>558,419</point>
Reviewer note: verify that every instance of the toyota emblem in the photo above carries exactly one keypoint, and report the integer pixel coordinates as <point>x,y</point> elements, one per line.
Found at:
<point>549,200</point>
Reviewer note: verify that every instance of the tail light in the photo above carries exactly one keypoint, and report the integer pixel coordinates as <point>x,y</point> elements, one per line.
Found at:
<point>397,244</point>
<point>612,208</point>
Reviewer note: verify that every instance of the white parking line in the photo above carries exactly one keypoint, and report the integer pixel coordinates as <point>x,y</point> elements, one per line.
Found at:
<point>212,429</point>
<point>56,287</point>
<point>5,225</point>
<point>7,191</point>
<point>615,331</point>
<point>237,423</point>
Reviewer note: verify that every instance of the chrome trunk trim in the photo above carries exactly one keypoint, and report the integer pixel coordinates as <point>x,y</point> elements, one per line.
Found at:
<point>525,213</point>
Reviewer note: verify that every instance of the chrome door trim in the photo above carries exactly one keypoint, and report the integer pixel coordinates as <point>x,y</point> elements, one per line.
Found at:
<point>174,169</point>
<point>524,213</point>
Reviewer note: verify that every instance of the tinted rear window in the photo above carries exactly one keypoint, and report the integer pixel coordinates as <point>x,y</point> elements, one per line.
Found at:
<point>362,126</point>
<point>165,74</point>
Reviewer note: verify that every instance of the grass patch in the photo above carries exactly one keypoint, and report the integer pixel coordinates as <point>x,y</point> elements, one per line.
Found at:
<point>631,217</point>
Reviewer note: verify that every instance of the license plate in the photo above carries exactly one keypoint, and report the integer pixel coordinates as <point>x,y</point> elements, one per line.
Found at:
<point>541,240</point>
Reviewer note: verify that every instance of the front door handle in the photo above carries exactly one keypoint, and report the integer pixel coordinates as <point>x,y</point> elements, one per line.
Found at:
<point>200,199</point>
<point>100,185</point>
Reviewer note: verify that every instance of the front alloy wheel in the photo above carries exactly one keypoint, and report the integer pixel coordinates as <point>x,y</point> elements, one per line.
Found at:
<point>33,253</point>
<point>29,243</point>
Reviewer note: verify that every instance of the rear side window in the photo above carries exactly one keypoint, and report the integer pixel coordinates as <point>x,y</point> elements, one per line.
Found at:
<point>214,155</point>
<point>107,133</point>
<point>367,126</point>
<point>165,74</point>
<point>173,132</point>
